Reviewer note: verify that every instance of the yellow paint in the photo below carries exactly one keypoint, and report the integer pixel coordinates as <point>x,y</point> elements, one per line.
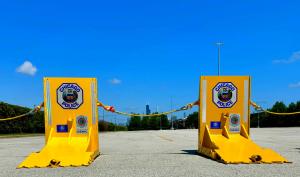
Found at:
<point>224,141</point>
<point>78,145</point>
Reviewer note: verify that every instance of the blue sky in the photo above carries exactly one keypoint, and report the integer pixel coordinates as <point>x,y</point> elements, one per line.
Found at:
<point>145,52</point>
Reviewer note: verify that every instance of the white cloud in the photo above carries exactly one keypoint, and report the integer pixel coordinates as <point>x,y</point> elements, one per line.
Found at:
<point>293,58</point>
<point>27,68</point>
<point>295,85</point>
<point>115,81</point>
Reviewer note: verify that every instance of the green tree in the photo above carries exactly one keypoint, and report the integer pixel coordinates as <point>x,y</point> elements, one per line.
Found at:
<point>145,123</point>
<point>298,106</point>
<point>279,106</point>
<point>165,123</point>
<point>108,126</point>
<point>292,107</point>
<point>154,122</point>
<point>135,123</point>
<point>192,120</point>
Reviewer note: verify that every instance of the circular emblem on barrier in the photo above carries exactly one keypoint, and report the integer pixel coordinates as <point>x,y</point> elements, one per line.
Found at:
<point>224,94</point>
<point>81,124</point>
<point>82,121</point>
<point>234,120</point>
<point>69,96</point>
<point>234,123</point>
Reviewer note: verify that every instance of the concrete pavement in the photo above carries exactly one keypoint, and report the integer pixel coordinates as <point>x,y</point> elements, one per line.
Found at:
<point>157,153</point>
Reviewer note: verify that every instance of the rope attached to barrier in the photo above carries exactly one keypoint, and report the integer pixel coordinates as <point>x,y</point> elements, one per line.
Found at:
<point>16,117</point>
<point>259,108</point>
<point>112,109</point>
<point>36,109</point>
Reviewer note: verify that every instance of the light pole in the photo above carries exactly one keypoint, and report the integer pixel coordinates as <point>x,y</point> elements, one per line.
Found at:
<point>115,123</point>
<point>184,116</point>
<point>172,128</point>
<point>257,119</point>
<point>159,118</point>
<point>258,112</point>
<point>219,44</point>
<point>103,115</point>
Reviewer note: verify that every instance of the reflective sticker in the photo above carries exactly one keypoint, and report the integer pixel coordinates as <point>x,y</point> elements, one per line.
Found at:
<point>234,123</point>
<point>48,103</point>
<point>203,102</point>
<point>61,128</point>
<point>93,102</point>
<point>81,125</point>
<point>215,125</point>
<point>246,100</point>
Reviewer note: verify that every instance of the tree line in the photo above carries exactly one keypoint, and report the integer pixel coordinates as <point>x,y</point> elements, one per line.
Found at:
<point>29,124</point>
<point>35,123</point>
<point>260,119</point>
<point>148,123</point>
<point>263,119</point>
<point>162,122</point>
<point>104,126</point>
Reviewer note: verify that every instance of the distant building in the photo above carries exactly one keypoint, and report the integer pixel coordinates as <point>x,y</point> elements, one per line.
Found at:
<point>148,111</point>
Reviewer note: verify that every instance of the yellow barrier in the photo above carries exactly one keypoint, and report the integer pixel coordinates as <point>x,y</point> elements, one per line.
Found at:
<point>224,122</point>
<point>71,124</point>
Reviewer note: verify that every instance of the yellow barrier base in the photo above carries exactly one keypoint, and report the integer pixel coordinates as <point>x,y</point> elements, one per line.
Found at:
<point>236,148</point>
<point>71,124</point>
<point>61,152</point>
